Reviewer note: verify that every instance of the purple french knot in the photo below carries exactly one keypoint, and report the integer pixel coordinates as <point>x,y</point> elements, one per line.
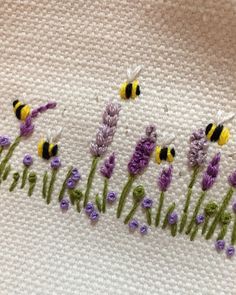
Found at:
<point>234,207</point>
<point>4,141</point>
<point>133,224</point>
<point>164,179</point>
<point>89,208</point>
<point>27,127</point>
<point>143,229</point>
<point>27,160</point>
<point>55,163</point>
<point>232,179</point>
<point>111,197</point>
<point>198,149</point>
<point>147,203</point>
<point>220,245</point>
<point>75,175</point>
<point>210,175</point>
<point>108,166</point>
<point>94,216</point>
<point>230,251</point>
<point>143,151</point>
<point>106,131</point>
<point>70,183</point>
<point>64,204</point>
<point>173,218</point>
<point>200,219</point>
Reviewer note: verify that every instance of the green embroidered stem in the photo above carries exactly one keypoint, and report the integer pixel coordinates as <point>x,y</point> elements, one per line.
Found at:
<point>16,177</point>
<point>32,182</point>
<point>90,179</point>
<point>104,194</point>
<point>221,210</point>
<point>72,197</point>
<point>233,236</point>
<point>184,216</point>
<point>124,195</point>
<point>194,232</point>
<point>98,203</point>
<point>78,208</point>
<point>149,215</point>
<point>205,225</point>
<point>24,177</point>
<point>8,155</point>
<point>1,149</point>
<point>222,232</point>
<point>45,181</point>
<point>63,188</point>
<point>6,172</point>
<point>196,210</point>
<point>173,229</point>
<point>131,213</point>
<point>170,209</point>
<point>51,186</point>
<point>160,205</point>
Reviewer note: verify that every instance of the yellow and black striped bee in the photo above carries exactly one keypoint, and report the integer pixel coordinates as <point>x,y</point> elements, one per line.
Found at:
<point>21,110</point>
<point>130,88</point>
<point>216,132</point>
<point>164,152</point>
<point>48,148</point>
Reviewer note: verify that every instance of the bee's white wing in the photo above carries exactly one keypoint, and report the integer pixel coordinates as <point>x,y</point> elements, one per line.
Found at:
<point>133,74</point>
<point>56,136</point>
<point>167,139</point>
<point>49,135</point>
<point>222,118</point>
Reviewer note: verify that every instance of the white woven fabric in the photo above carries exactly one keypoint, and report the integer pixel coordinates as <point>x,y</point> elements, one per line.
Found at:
<point>77,53</point>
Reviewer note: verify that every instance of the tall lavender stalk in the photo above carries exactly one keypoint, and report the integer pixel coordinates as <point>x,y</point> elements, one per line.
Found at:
<point>138,163</point>
<point>196,158</point>
<point>103,139</point>
<point>208,180</point>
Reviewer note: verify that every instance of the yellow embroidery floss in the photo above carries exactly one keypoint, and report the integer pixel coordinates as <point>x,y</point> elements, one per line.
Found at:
<point>131,88</point>
<point>21,110</point>
<point>164,152</point>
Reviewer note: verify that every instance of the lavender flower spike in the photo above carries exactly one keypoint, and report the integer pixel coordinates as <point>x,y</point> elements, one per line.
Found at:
<point>165,178</point>
<point>108,166</point>
<point>232,179</point>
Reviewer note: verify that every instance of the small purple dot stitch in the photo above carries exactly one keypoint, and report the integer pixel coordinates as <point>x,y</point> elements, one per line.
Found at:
<point>133,224</point>
<point>89,208</point>
<point>70,183</point>
<point>234,207</point>
<point>200,219</point>
<point>111,197</point>
<point>143,229</point>
<point>147,203</point>
<point>172,218</point>
<point>28,160</point>
<point>230,251</point>
<point>64,205</point>
<point>94,216</point>
<point>220,245</point>
<point>75,175</point>
<point>55,163</point>
<point>4,141</point>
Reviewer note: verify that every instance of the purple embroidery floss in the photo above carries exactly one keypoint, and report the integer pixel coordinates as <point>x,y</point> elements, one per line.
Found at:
<point>138,163</point>
<point>111,197</point>
<point>133,224</point>
<point>220,245</point>
<point>173,220</point>
<point>233,235</point>
<point>208,180</point>
<point>94,216</point>
<point>230,251</point>
<point>89,208</point>
<point>143,229</point>
<point>55,165</point>
<point>4,142</point>
<point>103,140</point>
<point>64,205</point>
<point>147,204</point>
<point>196,158</point>
<point>27,161</point>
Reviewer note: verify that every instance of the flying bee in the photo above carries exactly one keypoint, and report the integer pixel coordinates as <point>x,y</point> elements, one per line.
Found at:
<point>48,147</point>
<point>216,132</point>
<point>130,88</point>
<point>21,110</point>
<point>165,152</point>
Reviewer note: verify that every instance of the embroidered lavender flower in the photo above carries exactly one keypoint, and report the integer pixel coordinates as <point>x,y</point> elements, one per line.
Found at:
<point>220,245</point>
<point>4,141</point>
<point>232,179</point>
<point>172,218</point>
<point>27,160</point>
<point>75,175</point>
<point>56,163</point>
<point>147,203</point>
<point>133,224</point>
<point>70,183</point>
<point>89,208</point>
<point>230,251</point>
<point>108,166</point>
<point>200,219</point>
<point>64,205</point>
<point>138,163</point>
<point>111,197</point>
<point>94,216</point>
<point>143,229</point>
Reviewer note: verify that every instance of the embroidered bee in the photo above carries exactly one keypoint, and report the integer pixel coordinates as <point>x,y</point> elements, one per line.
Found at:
<point>21,110</point>
<point>48,148</point>
<point>216,132</point>
<point>130,88</point>
<point>165,152</point>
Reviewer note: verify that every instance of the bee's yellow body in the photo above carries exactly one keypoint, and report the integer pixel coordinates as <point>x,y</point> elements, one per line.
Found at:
<point>47,150</point>
<point>164,154</point>
<point>217,133</point>
<point>21,110</point>
<point>130,90</point>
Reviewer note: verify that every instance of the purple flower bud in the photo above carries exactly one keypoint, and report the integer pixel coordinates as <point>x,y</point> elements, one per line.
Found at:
<point>220,245</point>
<point>173,218</point>
<point>207,182</point>
<point>108,166</point>
<point>147,203</point>
<point>111,197</point>
<point>4,141</point>
<point>165,178</point>
<point>200,219</point>
<point>143,229</point>
<point>232,179</point>
<point>94,216</point>
<point>230,251</point>
<point>64,205</point>
<point>198,149</point>
<point>55,163</point>
<point>75,175</point>
<point>70,183</point>
<point>28,160</point>
<point>133,224</point>
<point>210,175</point>
<point>89,208</point>
<point>27,127</point>
<point>234,207</point>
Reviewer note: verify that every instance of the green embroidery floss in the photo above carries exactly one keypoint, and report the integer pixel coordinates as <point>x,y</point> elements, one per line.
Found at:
<point>104,194</point>
<point>222,208</point>
<point>90,179</point>
<point>1,149</point>
<point>173,229</point>
<point>45,181</point>
<point>75,197</point>
<point>149,215</point>
<point>24,177</point>
<point>194,232</point>
<point>233,235</point>
<point>98,203</point>
<point>51,186</point>
<point>124,195</point>
<point>16,177</point>
<point>210,210</point>
<point>225,220</point>
<point>170,209</point>
<point>6,172</point>
<point>159,209</point>
<point>138,195</point>
<point>32,182</point>
<point>63,188</point>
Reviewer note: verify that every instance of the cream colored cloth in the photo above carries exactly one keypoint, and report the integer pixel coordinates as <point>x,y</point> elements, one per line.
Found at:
<point>77,53</point>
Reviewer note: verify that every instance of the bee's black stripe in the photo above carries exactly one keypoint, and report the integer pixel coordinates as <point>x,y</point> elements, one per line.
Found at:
<point>54,150</point>
<point>15,102</point>
<point>18,111</point>
<point>208,128</point>
<point>128,90</point>
<point>172,151</point>
<point>217,132</point>
<point>46,150</point>
<point>138,90</point>
<point>163,154</point>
